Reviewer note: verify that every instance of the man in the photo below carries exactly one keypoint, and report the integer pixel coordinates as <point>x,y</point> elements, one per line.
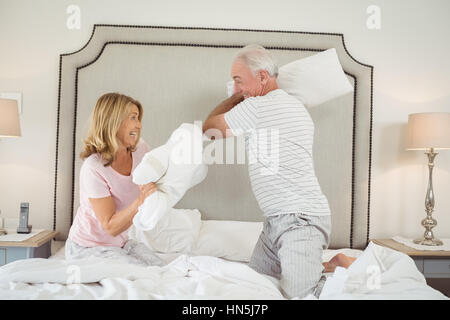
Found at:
<point>298,221</point>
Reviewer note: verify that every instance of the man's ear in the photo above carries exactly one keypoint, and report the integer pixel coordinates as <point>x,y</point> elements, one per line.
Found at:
<point>264,76</point>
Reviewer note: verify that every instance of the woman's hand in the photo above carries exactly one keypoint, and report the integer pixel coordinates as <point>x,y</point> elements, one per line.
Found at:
<point>114,223</point>
<point>145,191</point>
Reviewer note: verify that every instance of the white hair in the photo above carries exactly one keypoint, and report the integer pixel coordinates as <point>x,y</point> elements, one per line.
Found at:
<point>257,58</point>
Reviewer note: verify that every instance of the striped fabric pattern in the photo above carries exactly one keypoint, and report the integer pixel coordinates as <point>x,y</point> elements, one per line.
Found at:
<point>290,248</point>
<point>279,134</point>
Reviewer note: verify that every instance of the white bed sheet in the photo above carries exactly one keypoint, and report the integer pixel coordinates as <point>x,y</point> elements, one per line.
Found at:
<point>204,277</point>
<point>58,252</point>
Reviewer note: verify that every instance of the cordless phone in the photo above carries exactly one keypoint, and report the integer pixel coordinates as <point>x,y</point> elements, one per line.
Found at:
<point>23,219</point>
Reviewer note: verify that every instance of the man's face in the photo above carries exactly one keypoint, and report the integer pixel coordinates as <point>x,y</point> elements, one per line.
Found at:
<point>244,80</point>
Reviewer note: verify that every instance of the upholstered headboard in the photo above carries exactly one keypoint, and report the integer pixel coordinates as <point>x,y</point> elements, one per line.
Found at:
<point>179,75</point>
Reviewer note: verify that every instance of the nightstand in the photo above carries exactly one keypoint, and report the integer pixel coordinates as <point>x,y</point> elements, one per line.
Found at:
<point>435,265</point>
<point>38,246</point>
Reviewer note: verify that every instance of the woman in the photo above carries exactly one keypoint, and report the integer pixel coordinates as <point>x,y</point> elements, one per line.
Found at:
<point>108,197</point>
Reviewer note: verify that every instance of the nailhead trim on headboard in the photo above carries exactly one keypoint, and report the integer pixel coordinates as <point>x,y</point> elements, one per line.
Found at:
<point>370,153</point>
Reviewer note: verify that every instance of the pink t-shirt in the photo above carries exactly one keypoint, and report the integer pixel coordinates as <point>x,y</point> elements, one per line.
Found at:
<point>98,181</point>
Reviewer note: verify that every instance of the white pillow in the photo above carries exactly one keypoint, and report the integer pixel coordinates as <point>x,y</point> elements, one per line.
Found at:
<point>312,80</point>
<point>176,232</point>
<point>232,240</point>
<point>176,166</point>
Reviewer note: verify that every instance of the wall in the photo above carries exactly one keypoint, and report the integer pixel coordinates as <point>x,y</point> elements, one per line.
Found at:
<point>409,53</point>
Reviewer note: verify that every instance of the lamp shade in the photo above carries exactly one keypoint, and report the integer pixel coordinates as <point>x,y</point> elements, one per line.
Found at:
<point>428,130</point>
<point>9,118</point>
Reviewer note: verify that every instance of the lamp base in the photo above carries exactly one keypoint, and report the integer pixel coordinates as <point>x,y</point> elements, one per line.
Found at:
<point>429,222</point>
<point>429,242</point>
<point>3,232</point>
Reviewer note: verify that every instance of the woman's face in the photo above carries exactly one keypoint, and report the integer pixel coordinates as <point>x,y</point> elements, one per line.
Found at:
<point>130,127</point>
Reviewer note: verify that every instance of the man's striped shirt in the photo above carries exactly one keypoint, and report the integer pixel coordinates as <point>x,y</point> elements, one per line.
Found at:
<point>279,134</point>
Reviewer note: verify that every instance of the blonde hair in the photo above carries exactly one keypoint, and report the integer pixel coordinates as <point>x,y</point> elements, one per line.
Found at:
<point>109,112</point>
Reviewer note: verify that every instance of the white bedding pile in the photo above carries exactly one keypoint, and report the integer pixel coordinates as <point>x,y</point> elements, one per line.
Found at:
<point>199,256</point>
<point>378,273</point>
<point>96,278</point>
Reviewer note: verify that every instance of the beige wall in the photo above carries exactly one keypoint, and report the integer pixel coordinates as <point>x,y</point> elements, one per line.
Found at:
<point>409,53</point>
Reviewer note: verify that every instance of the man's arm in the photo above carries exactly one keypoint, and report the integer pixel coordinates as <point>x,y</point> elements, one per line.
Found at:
<point>216,119</point>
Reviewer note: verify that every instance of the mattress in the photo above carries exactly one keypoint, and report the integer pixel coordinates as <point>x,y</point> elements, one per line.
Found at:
<point>58,252</point>
<point>377,273</point>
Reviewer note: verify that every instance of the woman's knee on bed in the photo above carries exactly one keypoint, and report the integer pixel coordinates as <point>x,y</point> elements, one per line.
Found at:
<point>142,253</point>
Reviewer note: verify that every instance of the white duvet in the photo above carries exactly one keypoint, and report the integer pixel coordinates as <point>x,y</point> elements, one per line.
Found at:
<point>95,278</point>
<point>378,273</point>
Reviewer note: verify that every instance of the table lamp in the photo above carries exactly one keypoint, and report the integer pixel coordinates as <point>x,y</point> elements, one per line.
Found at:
<point>430,132</point>
<point>9,125</point>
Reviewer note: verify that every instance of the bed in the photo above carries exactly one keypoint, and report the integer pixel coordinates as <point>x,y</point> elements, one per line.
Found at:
<point>179,75</point>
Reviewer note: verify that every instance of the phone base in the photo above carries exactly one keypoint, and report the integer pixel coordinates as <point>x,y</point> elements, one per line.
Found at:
<point>24,230</point>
